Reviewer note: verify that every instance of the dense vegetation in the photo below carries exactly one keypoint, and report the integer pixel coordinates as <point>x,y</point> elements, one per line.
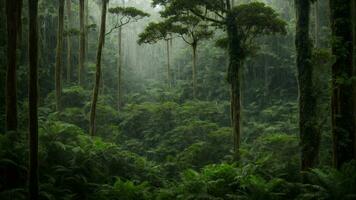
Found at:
<point>177,99</point>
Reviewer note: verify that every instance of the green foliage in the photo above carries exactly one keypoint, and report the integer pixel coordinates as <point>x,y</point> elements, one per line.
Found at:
<point>121,190</point>
<point>159,31</point>
<point>129,12</point>
<point>256,19</point>
<point>329,183</point>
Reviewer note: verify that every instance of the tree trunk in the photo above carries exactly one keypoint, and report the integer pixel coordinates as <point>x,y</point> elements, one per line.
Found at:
<point>316,28</point>
<point>119,69</point>
<point>120,102</point>
<point>58,67</point>
<point>309,135</point>
<point>194,71</point>
<point>81,43</point>
<point>236,61</point>
<point>33,98</point>
<point>11,89</point>
<point>69,45</point>
<point>353,7</point>
<point>169,79</point>
<point>19,22</point>
<point>343,126</point>
<point>86,29</point>
<point>98,69</point>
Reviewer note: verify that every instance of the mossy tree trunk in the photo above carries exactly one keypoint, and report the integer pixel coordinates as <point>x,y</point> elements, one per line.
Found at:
<point>33,98</point>
<point>58,66</point>
<point>81,43</point>
<point>236,62</point>
<point>343,124</point>
<point>309,134</point>
<point>11,89</point>
<point>98,68</point>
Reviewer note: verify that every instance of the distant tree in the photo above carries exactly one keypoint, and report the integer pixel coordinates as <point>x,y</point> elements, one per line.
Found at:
<point>343,123</point>
<point>69,43</point>
<point>155,32</point>
<point>81,42</point>
<point>33,98</point>
<point>124,16</point>
<point>242,23</point>
<point>12,17</point>
<point>98,68</point>
<point>195,30</point>
<point>59,49</point>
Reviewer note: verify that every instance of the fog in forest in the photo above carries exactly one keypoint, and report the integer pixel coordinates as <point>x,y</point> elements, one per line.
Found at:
<point>177,99</point>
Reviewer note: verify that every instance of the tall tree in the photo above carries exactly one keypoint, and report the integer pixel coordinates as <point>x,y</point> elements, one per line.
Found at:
<point>316,23</point>
<point>155,32</point>
<point>81,42</point>
<point>69,43</point>
<point>309,135</point>
<point>343,124</point>
<point>124,16</point>
<point>353,7</point>
<point>195,31</point>
<point>33,98</point>
<point>19,22</point>
<point>98,68</point>
<point>12,18</point>
<point>59,49</point>
<point>242,23</point>
<point>87,25</point>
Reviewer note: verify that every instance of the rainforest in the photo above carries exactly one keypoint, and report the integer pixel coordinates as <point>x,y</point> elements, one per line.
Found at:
<point>178,99</point>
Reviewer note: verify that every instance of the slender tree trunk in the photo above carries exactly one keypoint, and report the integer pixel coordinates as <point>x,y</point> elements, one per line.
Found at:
<point>98,69</point>
<point>33,98</point>
<point>309,135</point>
<point>119,69</point>
<point>86,29</point>
<point>316,28</point>
<point>169,79</point>
<point>19,22</point>
<point>353,7</point>
<point>120,102</point>
<point>235,64</point>
<point>58,67</point>
<point>11,89</point>
<point>194,71</point>
<point>81,43</point>
<point>343,126</point>
<point>69,45</point>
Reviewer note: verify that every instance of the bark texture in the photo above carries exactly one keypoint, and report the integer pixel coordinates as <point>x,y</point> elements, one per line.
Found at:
<point>343,124</point>
<point>309,134</point>
<point>81,42</point>
<point>98,68</point>
<point>234,48</point>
